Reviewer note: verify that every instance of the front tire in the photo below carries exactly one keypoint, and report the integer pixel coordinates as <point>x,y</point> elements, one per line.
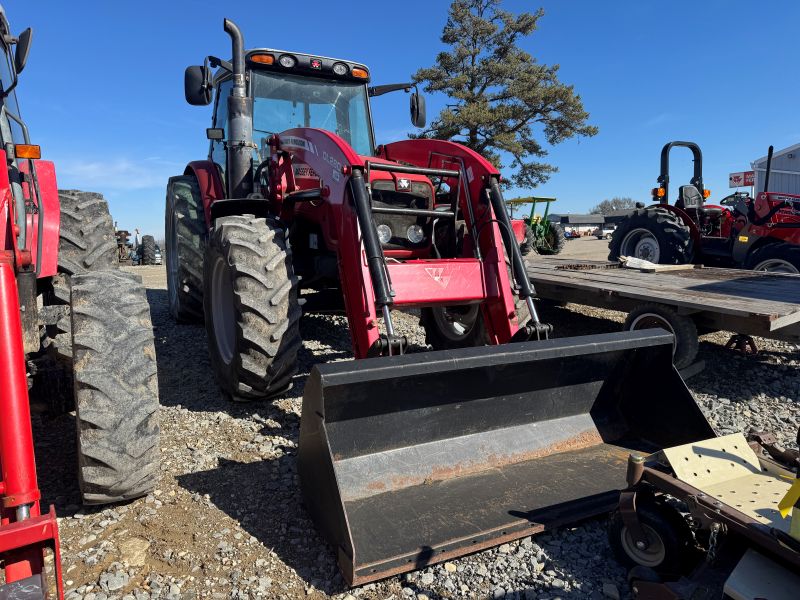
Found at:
<point>449,327</point>
<point>116,387</point>
<point>185,231</point>
<point>653,234</point>
<point>251,307</point>
<point>776,258</point>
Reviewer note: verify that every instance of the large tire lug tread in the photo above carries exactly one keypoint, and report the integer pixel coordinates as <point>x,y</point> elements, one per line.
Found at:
<point>116,387</point>
<point>673,236</point>
<point>87,240</point>
<point>265,299</point>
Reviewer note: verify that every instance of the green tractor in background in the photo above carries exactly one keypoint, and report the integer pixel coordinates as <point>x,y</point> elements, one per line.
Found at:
<point>539,234</point>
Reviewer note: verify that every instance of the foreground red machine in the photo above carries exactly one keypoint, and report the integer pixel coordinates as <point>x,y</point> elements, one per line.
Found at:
<point>762,234</point>
<point>66,316</point>
<point>406,458</point>
<point>25,532</point>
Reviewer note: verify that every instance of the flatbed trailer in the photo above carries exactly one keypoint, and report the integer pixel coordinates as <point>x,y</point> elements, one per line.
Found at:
<point>685,300</point>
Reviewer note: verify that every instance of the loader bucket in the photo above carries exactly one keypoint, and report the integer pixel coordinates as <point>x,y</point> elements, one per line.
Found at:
<point>410,460</point>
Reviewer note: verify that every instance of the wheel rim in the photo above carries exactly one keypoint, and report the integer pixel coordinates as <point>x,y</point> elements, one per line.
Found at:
<point>653,555</point>
<point>455,322</point>
<point>641,243</point>
<point>172,259</point>
<point>653,321</point>
<point>222,310</point>
<point>777,265</point>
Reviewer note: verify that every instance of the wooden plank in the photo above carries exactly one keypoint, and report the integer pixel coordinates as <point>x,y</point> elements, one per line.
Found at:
<point>653,288</point>
<point>779,294</point>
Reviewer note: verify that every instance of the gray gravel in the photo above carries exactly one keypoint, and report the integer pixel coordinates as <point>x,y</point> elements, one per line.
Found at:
<point>227,522</point>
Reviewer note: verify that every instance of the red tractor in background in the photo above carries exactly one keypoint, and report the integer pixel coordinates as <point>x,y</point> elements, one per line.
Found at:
<point>295,210</point>
<point>75,334</point>
<point>761,234</point>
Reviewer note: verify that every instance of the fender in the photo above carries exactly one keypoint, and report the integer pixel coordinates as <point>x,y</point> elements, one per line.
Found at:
<point>685,219</point>
<point>46,200</point>
<point>518,225</point>
<point>210,184</point>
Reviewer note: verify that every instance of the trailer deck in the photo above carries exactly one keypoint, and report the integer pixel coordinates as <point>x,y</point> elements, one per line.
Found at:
<point>745,302</point>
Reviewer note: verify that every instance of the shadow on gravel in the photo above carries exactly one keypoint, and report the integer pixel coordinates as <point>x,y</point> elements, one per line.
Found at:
<point>55,445</point>
<point>265,498</point>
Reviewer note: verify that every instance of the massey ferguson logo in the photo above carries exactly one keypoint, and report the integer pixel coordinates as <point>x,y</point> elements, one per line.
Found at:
<point>403,185</point>
<point>438,276</point>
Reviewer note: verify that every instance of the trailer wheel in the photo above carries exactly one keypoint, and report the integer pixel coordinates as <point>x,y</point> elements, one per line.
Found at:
<point>251,307</point>
<point>775,258</point>
<point>652,316</point>
<point>116,387</point>
<point>668,535</point>
<point>653,234</point>
<point>185,231</point>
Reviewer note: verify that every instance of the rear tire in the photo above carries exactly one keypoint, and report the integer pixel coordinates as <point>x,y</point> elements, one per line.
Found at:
<point>553,242</point>
<point>185,230</point>
<point>775,258</point>
<point>251,307</point>
<point>650,316</point>
<point>528,245</point>
<point>653,234</point>
<point>87,241</point>
<point>148,250</point>
<point>116,387</point>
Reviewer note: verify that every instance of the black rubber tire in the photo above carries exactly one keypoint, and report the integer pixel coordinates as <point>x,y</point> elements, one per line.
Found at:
<point>87,241</point>
<point>116,387</point>
<point>553,242</point>
<point>148,250</point>
<point>780,251</point>
<point>528,245</point>
<point>687,344</point>
<point>441,333</point>
<point>673,535</point>
<point>255,277</point>
<point>674,238</point>
<point>185,232</point>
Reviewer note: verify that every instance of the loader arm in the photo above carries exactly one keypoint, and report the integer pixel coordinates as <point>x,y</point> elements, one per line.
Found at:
<point>370,284</point>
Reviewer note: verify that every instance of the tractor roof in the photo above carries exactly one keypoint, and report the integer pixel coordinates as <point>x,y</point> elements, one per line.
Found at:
<point>300,63</point>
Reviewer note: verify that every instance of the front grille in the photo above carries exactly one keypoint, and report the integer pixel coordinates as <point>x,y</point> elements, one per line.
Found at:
<point>384,194</point>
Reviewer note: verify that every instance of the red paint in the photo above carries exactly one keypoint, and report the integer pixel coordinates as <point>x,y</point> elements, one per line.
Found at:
<point>519,227</point>
<point>208,179</point>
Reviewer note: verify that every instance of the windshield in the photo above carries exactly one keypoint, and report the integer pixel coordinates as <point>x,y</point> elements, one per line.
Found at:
<point>281,102</point>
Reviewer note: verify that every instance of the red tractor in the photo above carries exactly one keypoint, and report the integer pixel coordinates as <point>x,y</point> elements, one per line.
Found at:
<point>75,334</point>
<point>404,458</point>
<point>761,234</point>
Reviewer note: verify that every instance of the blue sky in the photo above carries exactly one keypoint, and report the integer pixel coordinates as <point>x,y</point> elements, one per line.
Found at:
<point>103,94</point>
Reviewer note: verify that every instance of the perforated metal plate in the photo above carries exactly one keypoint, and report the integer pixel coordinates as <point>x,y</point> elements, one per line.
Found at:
<point>728,469</point>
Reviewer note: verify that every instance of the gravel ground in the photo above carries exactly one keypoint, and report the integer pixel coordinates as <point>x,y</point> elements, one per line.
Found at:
<point>227,521</point>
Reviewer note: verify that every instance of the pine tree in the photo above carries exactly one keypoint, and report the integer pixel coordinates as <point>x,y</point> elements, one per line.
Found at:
<point>502,99</point>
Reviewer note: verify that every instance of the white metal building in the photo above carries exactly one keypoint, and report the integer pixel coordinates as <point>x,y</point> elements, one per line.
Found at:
<point>785,175</point>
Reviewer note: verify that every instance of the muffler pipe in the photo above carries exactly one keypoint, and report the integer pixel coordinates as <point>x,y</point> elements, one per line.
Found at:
<point>240,122</point>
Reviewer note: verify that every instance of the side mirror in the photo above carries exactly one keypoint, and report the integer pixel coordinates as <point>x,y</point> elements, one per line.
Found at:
<point>418,109</point>
<point>197,85</point>
<point>22,49</point>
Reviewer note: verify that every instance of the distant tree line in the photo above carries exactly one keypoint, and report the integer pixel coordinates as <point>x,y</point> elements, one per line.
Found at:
<point>616,203</point>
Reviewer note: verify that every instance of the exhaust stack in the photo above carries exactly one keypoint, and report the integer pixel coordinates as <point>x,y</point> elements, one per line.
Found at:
<point>240,122</point>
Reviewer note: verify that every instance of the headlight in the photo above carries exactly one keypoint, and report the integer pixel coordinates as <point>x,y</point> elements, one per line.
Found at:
<point>415,234</point>
<point>287,61</point>
<point>384,234</point>
<point>340,69</point>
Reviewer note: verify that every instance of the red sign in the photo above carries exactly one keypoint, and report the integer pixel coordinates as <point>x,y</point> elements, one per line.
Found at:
<point>742,179</point>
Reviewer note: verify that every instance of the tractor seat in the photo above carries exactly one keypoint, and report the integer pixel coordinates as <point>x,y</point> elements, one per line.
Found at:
<point>689,197</point>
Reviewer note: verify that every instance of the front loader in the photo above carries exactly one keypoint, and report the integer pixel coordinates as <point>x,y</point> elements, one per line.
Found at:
<point>406,457</point>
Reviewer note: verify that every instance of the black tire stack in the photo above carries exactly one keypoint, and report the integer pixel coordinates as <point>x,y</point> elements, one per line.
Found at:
<point>103,339</point>
<point>185,231</point>
<point>148,250</point>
